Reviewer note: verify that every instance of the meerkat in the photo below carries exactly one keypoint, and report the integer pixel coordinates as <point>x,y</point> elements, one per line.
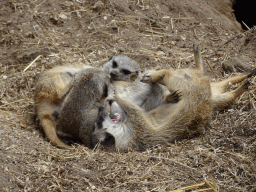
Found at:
<point>79,109</point>
<point>124,128</point>
<point>50,91</point>
<point>166,123</point>
<point>125,74</point>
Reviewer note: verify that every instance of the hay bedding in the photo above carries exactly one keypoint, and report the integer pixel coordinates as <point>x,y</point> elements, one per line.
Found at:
<point>155,34</point>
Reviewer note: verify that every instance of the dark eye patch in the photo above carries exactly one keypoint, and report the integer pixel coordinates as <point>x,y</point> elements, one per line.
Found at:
<point>114,64</point>
<point>126,72</point>
<point>105,90</point>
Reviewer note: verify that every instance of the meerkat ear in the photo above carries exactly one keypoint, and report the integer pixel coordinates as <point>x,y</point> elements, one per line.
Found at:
<point>134,75</point>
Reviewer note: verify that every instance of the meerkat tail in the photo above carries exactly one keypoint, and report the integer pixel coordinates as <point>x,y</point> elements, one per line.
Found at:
<point>49,128</point>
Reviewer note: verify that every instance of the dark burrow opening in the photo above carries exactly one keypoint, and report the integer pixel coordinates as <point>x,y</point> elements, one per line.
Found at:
<point>245,11</point>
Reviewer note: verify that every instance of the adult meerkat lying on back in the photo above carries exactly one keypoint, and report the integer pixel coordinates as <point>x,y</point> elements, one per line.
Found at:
<point>168,122</point>
<point>137,128</point>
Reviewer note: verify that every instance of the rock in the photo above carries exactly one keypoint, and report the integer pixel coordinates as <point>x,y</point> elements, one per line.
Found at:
<point>237,64</point>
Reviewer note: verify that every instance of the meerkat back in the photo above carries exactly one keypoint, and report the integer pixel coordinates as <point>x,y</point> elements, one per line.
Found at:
<point>79,110</point>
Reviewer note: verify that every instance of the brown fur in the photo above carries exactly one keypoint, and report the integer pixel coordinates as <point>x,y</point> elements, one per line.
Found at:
<point>167,123</point>
<point>53,86</point>
<point>79,110</point>
<point>50,90</point>
<point>220,98</point>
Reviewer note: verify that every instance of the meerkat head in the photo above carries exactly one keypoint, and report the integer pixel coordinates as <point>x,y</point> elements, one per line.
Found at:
<point>100,135</point>
<point>122,68</point>
<point>112,130</point>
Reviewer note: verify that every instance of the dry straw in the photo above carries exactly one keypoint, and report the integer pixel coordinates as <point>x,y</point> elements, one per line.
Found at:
<point>30,163</point>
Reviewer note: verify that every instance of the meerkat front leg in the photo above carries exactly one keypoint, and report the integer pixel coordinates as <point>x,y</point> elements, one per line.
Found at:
<point>128,105</point>
<point>156,76</point>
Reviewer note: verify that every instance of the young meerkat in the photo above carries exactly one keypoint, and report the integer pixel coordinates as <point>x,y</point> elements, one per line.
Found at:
<point>125,75</point>
<point>50,91</point>
<point>166,123</point>
<point>79,110</point>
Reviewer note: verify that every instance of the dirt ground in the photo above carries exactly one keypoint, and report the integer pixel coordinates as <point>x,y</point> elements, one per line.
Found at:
<point>155,34</point>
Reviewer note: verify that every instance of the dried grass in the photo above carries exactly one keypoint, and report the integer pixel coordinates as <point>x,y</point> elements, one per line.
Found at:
<point>30,163</point>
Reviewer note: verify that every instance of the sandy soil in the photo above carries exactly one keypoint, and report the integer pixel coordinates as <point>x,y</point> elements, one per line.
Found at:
<point>155,34</point>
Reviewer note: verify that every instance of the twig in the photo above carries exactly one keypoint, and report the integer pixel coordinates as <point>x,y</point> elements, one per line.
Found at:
<point>208,183</point>
<point>246,26</point>
<point>211,69</point>
<point>171,161</point>
<point>184,18</point>
<point>153,35</point>
<point>32,62</point>
<point>202,190</point>
<point>156,32</point>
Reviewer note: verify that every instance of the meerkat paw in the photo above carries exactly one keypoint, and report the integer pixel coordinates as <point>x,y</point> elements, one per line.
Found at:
<point>196,49</point>
<point>146,79</point>
<point>150,77</point>
<point>173,97</point>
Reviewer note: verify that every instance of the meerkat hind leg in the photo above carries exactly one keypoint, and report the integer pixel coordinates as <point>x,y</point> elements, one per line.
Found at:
<point>224,100</point>
<point>221,86</point>
<point>64,84</point>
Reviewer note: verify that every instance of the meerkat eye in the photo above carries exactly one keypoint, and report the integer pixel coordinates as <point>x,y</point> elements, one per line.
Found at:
<point>105,90</point>
<point>126,72</point>
<point>114,64</point>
